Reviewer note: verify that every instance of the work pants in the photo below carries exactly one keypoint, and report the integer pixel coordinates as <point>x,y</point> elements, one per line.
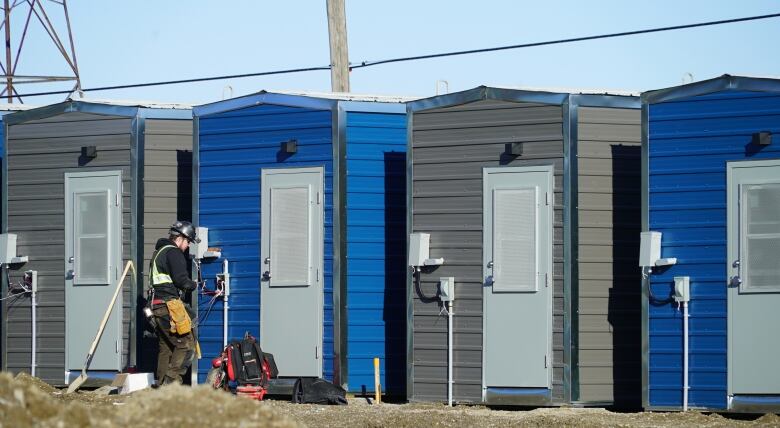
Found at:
<point>176,350</point>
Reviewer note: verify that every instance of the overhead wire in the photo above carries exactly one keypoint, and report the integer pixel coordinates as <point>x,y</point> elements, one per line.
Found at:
<point>176,82</point>
<point>365,64</point>
<point>562,41</point>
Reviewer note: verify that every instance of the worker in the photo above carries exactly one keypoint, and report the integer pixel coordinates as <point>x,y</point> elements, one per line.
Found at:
<point>169,281</point>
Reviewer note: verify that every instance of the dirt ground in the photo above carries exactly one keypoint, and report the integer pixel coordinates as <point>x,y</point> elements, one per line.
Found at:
<point>27,401</point>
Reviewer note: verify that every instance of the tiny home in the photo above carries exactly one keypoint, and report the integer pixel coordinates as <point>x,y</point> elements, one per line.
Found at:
<point>303,196</point>
<point>87,186</point>
<point>711,216</point>
<point>527,202</point>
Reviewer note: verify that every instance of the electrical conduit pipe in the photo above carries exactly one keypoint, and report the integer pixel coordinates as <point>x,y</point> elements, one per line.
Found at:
<point>34,350</point>
<point>225,302</point>
<point>685,355</point>
<point>449,353</point>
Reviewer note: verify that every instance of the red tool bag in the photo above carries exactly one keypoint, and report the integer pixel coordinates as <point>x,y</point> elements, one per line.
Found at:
<point>244,367</point>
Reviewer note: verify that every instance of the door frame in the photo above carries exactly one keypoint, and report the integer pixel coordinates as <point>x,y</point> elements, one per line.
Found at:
<point>280,170</point>
<point>733,250</point>
<point>550,171</point>
<point>68,218</point>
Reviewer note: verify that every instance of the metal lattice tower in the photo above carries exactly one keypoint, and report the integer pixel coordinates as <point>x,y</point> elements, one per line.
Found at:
<point>42,11</point>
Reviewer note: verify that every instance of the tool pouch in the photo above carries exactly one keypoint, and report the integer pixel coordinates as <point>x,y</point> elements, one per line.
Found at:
<point>181,323</point>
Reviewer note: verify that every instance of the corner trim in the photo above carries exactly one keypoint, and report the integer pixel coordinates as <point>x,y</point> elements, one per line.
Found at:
<point>340,327</point>
<point>4,227</point>
<point>645,173</point>
<point>138,140</point>
<point>571,251</point>
<point>409,277</point>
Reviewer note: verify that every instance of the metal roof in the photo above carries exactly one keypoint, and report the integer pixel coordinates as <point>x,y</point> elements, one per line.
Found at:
<point>106,107</point>
<point>313,100</point>
<point>573,91</point>
<point>718,84</point>
<point>133,103</point>
<point>348,96</point>
<point>15,107</point>
<point>591,98</point>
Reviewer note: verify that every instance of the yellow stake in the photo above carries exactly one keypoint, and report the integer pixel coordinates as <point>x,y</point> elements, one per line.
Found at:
<point>377,385</point>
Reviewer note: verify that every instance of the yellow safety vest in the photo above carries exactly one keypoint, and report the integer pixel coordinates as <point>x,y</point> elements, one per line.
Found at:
<point>157,277</point>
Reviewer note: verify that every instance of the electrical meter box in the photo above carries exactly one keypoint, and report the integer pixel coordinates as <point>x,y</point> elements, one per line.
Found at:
<point>447,288</point>
<point>7,248</point>
<point>198,250</point>
<point>419,247</point>
<point>682,288</point>
<point>649,248</point>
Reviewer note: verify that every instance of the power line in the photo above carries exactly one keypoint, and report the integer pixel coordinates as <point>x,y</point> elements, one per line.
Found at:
<point>174,82</point>
<point>365,64</point>
<point>562,41</point>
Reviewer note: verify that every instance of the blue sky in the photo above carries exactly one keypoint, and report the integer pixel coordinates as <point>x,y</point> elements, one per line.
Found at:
<point>120,42</point>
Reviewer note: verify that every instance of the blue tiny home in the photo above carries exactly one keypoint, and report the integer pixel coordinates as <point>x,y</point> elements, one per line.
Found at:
<point>711,187</point>
<point>304,196</point>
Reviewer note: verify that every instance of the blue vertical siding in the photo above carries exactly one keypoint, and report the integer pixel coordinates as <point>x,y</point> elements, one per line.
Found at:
<point>234,147</point>
<point>690,141</point>
<point>376,240</point>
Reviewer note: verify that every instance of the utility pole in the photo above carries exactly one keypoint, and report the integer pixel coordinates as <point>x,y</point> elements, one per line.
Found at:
<point>339,59</point>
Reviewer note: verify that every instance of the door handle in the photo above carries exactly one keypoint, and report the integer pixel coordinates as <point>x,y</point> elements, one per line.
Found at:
<point>267,261</point>
<point>266,275</point>
<point>490,264</point>
<point>736,281</point>
<point>71,259</point>
<point>735,264</point>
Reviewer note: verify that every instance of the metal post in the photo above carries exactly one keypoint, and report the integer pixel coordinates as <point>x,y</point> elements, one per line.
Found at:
<point>377,383</point>
<point>225,301</point>
<point>339,59</point>
<point>450,345</point>
<point>8,65</point>
<point>72,47</point>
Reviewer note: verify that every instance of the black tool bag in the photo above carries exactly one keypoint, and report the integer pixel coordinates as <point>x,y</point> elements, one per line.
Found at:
<point>317,391</point>
<point>251,366</point>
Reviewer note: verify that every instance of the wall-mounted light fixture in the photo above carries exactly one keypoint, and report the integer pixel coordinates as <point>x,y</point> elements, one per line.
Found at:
<point>290,146</point>
<point>89,152</point>
<point>514,149</point>
<point>763,138</point>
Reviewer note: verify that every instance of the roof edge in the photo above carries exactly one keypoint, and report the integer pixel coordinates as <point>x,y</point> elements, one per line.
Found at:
<point>316,101</point>
<point>480,93</point>
<point>95,107</point>
<point>709,86</point>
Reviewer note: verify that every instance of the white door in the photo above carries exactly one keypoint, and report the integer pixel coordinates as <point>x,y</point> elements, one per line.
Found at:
<point>291,290</point>
<point>93,258</point>
<point>754,277</point>
<point>517,253</point>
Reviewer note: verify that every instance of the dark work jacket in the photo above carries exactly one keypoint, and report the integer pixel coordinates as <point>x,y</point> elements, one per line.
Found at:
<point>174,263</point>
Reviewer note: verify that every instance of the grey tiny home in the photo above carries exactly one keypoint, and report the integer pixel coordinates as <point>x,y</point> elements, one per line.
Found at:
<point>87,186</point>
<point>531,198</point>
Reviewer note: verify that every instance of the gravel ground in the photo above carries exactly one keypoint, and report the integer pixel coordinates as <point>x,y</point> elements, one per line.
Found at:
<point>26,401</point>
<point>358,414</point>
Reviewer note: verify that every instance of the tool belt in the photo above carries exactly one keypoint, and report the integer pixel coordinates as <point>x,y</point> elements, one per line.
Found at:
<point>180,319</point>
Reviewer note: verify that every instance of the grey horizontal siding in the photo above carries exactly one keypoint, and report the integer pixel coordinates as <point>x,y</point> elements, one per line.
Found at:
<point>166,197</point>
<point>167,183</point>
<point>40,152</point>
<point>450,146</point>
<point>608,282</point>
